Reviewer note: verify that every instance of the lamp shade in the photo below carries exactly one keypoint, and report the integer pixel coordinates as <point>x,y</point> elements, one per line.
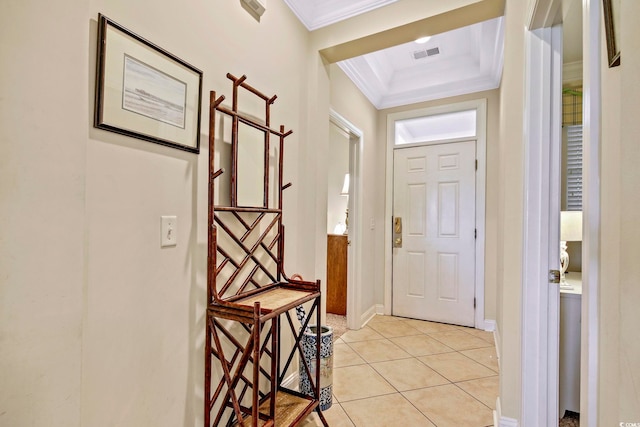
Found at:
<point>345,186</point>
<point>571,226</point>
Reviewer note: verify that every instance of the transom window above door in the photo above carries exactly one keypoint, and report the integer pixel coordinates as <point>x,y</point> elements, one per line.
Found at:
<point>438,127</point>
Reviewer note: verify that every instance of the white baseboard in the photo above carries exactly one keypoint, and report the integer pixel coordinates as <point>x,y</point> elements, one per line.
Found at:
<point>501,421</point>
<point>380,309</point>
<point>368,315</point>
<point>496,337</point>
<point>291,381</point>
<point>489,325</point>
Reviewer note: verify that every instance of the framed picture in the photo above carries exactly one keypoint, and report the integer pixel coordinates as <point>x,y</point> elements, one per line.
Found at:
<point>144,91</point>
<point>611,10</point>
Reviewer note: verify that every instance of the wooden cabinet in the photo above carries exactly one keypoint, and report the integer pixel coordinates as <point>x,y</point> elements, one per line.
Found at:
<point>337,274</point>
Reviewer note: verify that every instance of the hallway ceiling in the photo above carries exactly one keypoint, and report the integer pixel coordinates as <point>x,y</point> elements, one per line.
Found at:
<point>465,60</point>
<point>457,62</point>
<point>469,59</point>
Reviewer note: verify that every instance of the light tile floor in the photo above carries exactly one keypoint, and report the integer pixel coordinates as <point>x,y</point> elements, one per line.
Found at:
<point>404,372</point>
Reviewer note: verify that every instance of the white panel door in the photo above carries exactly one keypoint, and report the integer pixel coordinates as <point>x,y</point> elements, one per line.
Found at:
<point>434,269</point>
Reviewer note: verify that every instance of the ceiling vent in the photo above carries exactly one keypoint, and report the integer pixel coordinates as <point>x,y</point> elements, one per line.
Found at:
<point>424,53</point>
<point>257,6</point>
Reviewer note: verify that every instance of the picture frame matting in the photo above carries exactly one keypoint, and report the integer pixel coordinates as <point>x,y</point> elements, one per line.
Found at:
<point>145,92</point>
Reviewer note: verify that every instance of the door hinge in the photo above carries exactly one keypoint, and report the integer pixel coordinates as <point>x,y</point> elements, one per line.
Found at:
<point>474,303</point>
<point>476,165</point>
<point>475,233</point>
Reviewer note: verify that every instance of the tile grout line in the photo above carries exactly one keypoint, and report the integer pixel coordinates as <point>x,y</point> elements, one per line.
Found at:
<point>411,356</point>
<point>398,392</point>
<point>388,382</point>
<point>417,409</point>
<point>475,398</point>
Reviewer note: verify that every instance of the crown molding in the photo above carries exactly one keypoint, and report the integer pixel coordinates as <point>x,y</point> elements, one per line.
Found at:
<point>572,72</point>
<point>318,14</point>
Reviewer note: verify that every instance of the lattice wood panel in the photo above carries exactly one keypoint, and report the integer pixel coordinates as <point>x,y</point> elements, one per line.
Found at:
<point>233,346</point>
<point>247,251</point>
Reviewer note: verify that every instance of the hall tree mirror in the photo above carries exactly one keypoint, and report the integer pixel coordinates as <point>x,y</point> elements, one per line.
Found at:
<point>252,183</point>
<point>250,166</point>
<point>252,177</point>
<point>254,186</point>
<point>224,125</point>
<point>571,217</point>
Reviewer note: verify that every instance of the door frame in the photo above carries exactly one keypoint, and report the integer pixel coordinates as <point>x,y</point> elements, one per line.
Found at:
<point>480,105</point>
<point>541,231</point>
<point>463,147</point>
<point>541,16</point>
<point>355,263</point>
<point>592,116</point>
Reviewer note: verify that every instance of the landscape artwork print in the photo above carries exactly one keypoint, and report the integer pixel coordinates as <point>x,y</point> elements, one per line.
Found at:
<point>145,92</point>
<point>153,94</point>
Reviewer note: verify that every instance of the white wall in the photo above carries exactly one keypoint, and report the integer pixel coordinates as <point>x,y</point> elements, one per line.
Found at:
<point>629,213</point>
<point>510,209</point>
<point>44,122</point>
<point>99,326</point>
<point>351,104</point>
<point>619,377</point>
<point>610,231</point>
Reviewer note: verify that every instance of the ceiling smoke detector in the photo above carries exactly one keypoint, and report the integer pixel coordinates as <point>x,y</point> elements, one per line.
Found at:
<point>424,53</point>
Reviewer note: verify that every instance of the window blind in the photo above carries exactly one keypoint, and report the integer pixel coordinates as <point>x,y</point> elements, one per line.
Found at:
<point>574,168</point>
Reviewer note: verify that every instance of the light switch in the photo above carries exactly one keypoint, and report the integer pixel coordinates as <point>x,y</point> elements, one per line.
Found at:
<point>169,231</point>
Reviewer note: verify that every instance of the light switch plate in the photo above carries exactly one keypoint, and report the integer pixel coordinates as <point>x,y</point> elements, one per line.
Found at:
<point>168,231</point>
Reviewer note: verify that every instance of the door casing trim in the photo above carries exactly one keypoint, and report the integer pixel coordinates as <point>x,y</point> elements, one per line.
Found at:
<point>355,317</point>
<point>541,234</point>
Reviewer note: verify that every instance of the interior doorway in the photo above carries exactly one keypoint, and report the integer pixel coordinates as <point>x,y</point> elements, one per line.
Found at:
<point>447,124</point>
<point>540,312</point>
<point>344,207</point>
<point>337,219</point>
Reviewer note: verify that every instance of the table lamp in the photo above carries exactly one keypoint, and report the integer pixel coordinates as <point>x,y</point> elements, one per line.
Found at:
<point>345,192</point>
<point>570,231</point>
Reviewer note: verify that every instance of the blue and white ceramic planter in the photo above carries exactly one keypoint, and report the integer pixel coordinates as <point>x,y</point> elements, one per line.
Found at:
<point>308,343</point>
